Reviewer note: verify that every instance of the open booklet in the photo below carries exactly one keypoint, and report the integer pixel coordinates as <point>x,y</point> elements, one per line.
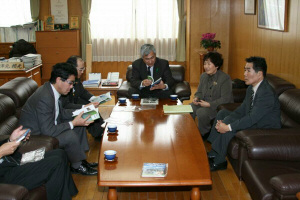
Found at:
<point>154,82</point>
<point>102,98</point>
<point>88,110</point>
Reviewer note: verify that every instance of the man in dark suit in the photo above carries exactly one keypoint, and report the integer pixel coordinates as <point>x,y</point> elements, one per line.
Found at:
<point>151,66</point>
<point>52,171</point>
<point>44,115</point>
<point>79,96</point>
<point>260,109</point>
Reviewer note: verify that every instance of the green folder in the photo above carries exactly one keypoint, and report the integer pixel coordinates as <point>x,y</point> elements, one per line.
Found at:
<point>177,109</point>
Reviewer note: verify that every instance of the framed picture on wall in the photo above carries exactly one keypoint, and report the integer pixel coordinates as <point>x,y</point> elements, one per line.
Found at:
<point>250,7</point>
<point>272,14</point>
<point>74,22</point>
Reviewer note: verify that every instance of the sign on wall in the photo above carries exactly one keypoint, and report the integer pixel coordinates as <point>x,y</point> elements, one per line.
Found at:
<point>59,9</point>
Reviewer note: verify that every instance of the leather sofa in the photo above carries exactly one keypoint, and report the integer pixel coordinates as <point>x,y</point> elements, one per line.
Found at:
<point>19,90</point>
<point>182,88</point>
<point>268,160</point>
<point>8,122</point>
<point>279,85</point>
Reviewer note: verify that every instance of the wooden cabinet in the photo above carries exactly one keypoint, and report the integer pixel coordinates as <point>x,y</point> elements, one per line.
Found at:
<point>55,47</point>
<point>33,73</point>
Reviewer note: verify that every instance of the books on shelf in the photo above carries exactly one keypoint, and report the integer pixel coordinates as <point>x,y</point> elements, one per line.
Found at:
<point>91,83</point>
<point>149,101</point>
<point>88,110</point>
<point>177,109</point>
<point>155,170</point>
<point>102,98</point>
<point>94,80</point>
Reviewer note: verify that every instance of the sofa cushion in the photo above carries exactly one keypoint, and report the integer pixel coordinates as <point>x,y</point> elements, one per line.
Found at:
<point>290,108</point>
<point>8,120</point>
<point>286,184</point>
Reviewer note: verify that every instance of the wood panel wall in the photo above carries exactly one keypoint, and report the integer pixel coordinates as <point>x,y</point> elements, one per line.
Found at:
<point>207,16</point>
<point>281,49</point>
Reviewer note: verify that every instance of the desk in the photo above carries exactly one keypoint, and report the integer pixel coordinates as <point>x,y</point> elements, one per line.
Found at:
<point>34,73</point>
<point>104,89</point>
<point>155,138</point>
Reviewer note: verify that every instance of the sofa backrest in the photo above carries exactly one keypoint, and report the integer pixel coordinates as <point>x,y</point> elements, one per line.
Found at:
<point>8,120</point>
<point>279,84</point>
<point>19,90</point>
<point>290,108</point>
<point>177,72</point>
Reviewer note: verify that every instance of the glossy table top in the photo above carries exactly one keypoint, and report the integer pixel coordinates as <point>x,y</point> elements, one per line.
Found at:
<point>154,138</point>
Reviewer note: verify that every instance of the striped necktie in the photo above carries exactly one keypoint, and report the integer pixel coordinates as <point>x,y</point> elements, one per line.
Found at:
<point>251,99</point>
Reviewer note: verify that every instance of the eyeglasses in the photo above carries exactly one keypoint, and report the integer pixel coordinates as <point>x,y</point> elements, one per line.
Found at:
<point>69,82</point>
<point>80,69</point>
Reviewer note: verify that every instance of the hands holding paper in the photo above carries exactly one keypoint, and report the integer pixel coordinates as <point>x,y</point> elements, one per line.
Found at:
<point>161,86</point>
<point>79,121</point>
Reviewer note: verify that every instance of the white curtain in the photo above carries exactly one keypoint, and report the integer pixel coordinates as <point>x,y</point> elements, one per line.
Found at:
<point>120,27</point>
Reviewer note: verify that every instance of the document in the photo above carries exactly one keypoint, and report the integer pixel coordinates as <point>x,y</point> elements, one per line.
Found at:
<point>177,109</point>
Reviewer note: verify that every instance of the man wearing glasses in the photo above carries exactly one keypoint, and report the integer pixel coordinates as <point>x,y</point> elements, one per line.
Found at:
<point>79,97</point>
<point>44,115</point>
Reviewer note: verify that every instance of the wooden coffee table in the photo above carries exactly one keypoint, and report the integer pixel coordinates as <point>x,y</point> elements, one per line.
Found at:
<point>155,138</point>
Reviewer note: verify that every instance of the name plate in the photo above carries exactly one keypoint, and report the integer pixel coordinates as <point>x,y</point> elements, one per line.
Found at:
<point>11,66</point>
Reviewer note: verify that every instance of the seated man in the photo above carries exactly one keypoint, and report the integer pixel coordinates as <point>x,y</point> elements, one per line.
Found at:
<point>78,96</point>
<point>44,115</point>
<point>260,109</point>
<point>151,66</point>
<point>53,170</point>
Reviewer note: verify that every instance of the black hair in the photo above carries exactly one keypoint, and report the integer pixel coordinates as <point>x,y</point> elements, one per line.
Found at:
<point>215,58</point>
<point>62,70</point>
<point>259,64</point>
<point>73,60</point>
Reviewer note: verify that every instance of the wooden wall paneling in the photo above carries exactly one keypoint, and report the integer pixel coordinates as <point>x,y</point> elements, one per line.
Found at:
<point>275,53</point>
<point>297,51</point>
<point>288,45</point>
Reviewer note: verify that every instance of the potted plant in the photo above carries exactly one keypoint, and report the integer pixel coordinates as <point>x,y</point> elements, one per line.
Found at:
<point>208,42</point>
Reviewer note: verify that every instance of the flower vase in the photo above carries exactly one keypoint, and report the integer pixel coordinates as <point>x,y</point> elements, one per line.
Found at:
<point>209,49</point>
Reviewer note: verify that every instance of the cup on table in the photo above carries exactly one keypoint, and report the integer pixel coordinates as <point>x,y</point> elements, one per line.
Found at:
<point>112,128</point>
<point>122,100</point>
<point>173,97</point>
<point>135,96</point>
<point>110,154</point>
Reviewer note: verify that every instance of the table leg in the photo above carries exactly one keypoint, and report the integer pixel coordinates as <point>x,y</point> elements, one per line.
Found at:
<point>195,193</point>
<point>112,193</point>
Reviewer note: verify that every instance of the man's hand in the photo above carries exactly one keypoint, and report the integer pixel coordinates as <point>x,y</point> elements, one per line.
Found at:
<point>96,104</point>
<point>8,148</point>
<point>79,121</point>
<point>146,82</point>
<point>196,101</point>
<point>17,133</point>
<point>161,86</point>
<point>222,127</point>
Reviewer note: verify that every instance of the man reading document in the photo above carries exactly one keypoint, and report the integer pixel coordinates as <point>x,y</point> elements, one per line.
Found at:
<point>146,73</point>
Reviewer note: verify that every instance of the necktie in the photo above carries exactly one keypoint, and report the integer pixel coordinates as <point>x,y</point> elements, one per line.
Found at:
<point>148,71</point>
<point>251,99</point>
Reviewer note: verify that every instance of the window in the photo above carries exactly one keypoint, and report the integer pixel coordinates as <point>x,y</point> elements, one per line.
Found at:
<point>15,12</point>
<point>120,27</point>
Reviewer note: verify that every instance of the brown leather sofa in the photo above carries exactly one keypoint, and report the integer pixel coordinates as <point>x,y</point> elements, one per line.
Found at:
<point>279,85</point>
<point>8,122</point>
<point>182,88</point>
<point>268,160</point>
<point>19,90</point>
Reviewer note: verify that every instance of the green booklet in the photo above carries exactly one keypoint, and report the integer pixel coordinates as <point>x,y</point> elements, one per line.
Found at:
<point>88,110</point>
<point>177,109</point>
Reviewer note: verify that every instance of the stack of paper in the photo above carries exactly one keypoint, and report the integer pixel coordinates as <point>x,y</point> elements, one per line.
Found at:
<point>91,83</point>
<point>102,98</point>
<point>177,109</point>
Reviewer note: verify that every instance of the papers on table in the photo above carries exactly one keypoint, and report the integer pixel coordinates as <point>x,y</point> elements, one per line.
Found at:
<point>94,80</point>
<point>102,98</point>
<point>177,109</point>
<point>155,170</point>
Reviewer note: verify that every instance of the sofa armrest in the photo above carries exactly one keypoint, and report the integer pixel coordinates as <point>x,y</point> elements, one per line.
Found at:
<point>38,141</point>
<point>286,184</point>
<point>183,90</point>
<point>9,191</point>
<point>276,144</point>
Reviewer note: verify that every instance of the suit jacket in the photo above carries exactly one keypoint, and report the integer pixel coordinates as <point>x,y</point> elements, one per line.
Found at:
<point>161,69</point>
<point>216,92</point>
<point>77,97</point>
<point>265,112</point>
<point>38,113</point>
